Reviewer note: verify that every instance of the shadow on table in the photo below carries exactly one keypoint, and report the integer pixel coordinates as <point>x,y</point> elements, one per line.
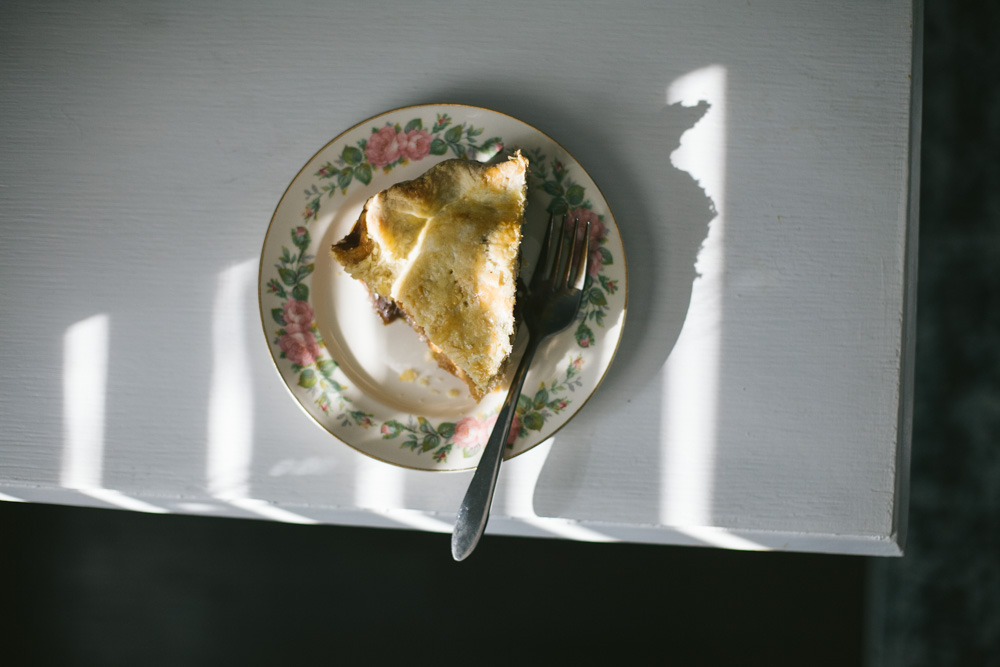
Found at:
<point>661,249</point>
<point>662,233</point>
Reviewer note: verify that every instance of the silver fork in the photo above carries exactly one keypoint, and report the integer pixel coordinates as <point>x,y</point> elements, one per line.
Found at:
<point>550,305</point>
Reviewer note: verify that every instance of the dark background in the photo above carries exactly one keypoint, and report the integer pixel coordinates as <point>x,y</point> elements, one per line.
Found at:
<point>105,587</point>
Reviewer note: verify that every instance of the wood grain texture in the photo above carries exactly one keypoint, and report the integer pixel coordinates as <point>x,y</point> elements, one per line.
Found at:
<point>146,145</point>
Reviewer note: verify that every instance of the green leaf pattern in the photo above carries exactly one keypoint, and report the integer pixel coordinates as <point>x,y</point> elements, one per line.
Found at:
<point>569,197</point>
<point>298,338</point>
<point>469,435</point>
<point>549,399</point>
<point>412,142</point>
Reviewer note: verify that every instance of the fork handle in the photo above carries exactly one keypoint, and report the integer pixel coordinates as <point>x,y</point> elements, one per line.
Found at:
<point>475,508</point>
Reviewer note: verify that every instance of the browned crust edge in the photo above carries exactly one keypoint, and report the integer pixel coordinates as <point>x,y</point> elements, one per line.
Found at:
<point>357,245</point>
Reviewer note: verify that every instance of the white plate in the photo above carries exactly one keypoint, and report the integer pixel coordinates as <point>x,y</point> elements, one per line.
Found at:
<point>376,387</point>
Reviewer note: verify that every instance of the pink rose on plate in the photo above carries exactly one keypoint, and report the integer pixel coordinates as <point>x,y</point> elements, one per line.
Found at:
<point>597,232</point>
<point>297,313</point>
<point>470,432</point>
<point>300,347</point>
<point>515,427</point>
<point>415,144</point>
<point>384,146</point>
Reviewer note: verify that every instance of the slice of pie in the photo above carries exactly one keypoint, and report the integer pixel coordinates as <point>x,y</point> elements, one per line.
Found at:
<point>443,251</point>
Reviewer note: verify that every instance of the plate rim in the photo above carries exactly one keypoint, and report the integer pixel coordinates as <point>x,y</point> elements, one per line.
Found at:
<point>270,227</point>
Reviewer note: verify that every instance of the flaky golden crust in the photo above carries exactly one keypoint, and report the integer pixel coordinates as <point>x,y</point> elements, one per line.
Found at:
<point>444,249</point>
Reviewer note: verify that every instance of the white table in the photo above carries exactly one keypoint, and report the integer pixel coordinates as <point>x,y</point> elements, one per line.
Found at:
<point>761,162</point>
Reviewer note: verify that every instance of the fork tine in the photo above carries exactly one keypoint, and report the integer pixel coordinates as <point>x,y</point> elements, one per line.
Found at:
<point>557,258</point>
<point>582,262</point>
<point>567,271</point>
<point>542,267</point>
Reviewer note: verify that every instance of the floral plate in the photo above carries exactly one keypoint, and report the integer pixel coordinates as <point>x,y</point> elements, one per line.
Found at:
<point>376,387</point>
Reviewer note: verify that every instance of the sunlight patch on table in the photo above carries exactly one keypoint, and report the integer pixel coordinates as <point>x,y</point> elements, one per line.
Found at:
<point>719,537</point>
<point>415,519</point>
<point>567,529</point>
<point>381,489</point>
<point>85,377</point>
<point>85,374</point>
<point>230,408</point>
<point>119,499</point>
<point>270,511</point>
<point>378,486</point>
<point>518,479</point>
<point>688,420</point>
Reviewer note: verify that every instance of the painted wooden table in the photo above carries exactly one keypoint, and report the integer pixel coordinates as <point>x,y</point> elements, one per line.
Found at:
<point>760,160</point>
